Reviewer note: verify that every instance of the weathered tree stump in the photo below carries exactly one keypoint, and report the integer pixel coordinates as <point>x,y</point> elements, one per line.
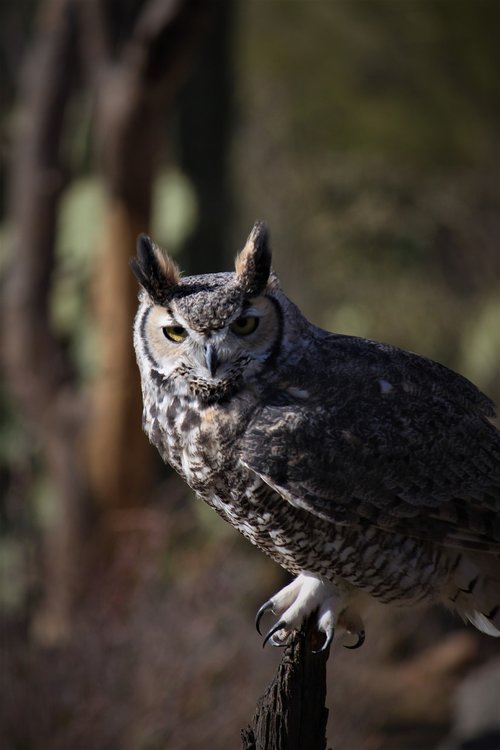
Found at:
<point>291,715</point>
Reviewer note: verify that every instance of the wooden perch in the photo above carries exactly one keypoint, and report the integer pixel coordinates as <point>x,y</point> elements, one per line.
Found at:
<point>291,715</point>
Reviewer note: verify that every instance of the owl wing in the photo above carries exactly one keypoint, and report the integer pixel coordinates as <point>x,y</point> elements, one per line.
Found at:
<point>382,437</point>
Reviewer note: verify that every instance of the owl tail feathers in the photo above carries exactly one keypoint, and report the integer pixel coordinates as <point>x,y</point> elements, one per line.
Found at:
<point>476,595</point>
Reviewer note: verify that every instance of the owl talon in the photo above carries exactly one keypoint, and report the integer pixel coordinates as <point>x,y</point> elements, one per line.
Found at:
<point>307,595</point>
<point>266,607</point>
<point>281,625</point>
<point>327,642</point>
<point>361,639</point>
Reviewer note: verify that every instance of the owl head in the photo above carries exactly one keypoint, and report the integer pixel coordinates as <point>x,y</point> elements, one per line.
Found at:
<point>206,335</point>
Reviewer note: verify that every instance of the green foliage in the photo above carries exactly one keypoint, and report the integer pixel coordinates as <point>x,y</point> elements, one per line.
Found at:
<point>411,80</point>
<point>174,209</point>
<point>371,129</point>
<point>481,345</point>
<point>79,221</point>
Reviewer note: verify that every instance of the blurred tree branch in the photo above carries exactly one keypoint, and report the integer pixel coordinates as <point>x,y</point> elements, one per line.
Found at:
<point>206,115</point>
<point>37,367</point>
<point>133,79</point>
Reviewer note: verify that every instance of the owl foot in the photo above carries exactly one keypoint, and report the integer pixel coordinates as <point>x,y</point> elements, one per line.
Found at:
<point>308,594</point>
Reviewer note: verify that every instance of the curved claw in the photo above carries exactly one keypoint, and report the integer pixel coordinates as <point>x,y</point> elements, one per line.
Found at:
<point>279,625</point>
<point>266,607</point>
<point>359,642</point>
<point>328,641</point>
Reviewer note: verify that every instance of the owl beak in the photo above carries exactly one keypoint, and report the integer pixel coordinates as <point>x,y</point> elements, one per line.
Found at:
<point>211,358</point>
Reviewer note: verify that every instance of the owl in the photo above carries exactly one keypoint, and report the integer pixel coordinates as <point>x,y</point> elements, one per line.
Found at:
<point>364,470</point>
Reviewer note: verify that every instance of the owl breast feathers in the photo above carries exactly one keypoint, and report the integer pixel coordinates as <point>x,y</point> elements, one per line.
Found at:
<point>363,469</point>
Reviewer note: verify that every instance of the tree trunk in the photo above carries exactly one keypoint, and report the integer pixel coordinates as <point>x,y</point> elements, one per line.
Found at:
<point>37,366</point>
<point>205,130</point>
<point>134,79</point>
<point>133,92</point>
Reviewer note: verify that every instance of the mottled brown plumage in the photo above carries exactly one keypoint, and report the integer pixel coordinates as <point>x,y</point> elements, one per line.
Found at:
<point>361,468</point>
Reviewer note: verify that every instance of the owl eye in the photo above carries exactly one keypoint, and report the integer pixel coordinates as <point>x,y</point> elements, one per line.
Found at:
<point>175,333</point>
<point>245,325</point>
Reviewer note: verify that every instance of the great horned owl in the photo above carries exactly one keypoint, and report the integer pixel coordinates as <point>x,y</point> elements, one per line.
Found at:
<point>363,469</point>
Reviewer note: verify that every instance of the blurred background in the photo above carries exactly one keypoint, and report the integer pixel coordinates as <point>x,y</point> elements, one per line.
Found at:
<point>366,133</point>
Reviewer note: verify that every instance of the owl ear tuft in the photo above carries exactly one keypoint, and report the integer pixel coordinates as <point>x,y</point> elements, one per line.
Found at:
<point>155,272</point>
<point>253,264</point>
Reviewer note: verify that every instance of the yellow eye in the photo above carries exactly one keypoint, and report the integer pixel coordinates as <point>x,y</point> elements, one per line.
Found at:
<point>244,325</point>
<point>175,333</point>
